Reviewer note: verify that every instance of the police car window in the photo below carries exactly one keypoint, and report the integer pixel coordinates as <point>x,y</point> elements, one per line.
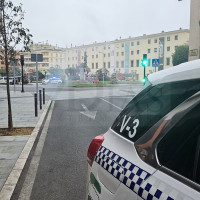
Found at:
<point>151,105</point>
<point>179,149</point>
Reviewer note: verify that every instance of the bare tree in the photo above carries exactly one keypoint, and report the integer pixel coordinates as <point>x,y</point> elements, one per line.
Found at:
<point>12,35</point>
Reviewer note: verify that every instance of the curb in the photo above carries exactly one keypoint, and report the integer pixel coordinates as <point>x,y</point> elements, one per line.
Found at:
<point>11,182</point>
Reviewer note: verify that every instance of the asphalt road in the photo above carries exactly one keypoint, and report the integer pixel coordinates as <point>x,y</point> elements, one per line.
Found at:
<point>62,169</point>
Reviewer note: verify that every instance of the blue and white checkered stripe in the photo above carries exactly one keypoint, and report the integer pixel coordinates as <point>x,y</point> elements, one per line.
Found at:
<point>129,174</point>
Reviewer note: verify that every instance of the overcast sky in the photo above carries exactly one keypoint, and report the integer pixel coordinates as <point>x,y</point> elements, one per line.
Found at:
<point>77,22</point>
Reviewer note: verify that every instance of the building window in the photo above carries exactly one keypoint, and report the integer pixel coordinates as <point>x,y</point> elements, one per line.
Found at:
<point>168,61</point>
<point>92,56</point>
<point>132,63</point>
<point>138,63</point>
<point>68,66</point>
<point>108,64</point>
<point>108,54</point>
<point>117,53</point>
<point>104,65</point>
<point>132,43</point>
<point>122,53</point>
<point>112,53</point>
<point>92,49</point>
<point>155,40</point>
<point>122,44</point>
<point>149,62</point>
<point>96,56</point>
<point>104,55</point>
<point>92,65</point>
<point>149,41</point>
<point>117,64</point>
<point>155,50</point>
<point>149,50</point>
<point>138,51</point>
<point>122,64</point>
<point>104,48</point>
<point>168,48</point>
<point>176,37</point>
<point>138,42</point>
<point>132,52</point>
<point>96,65</point>
<point>168,38</point>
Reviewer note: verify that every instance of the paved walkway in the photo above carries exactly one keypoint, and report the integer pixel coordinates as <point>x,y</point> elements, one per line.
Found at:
<point>23,116</point>
<point>22,109</point>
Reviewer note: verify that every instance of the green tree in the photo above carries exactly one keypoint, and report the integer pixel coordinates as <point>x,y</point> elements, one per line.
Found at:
<point>57,72</point>
<point>100,75</point>
<point>180,55</point>
<point>72,73</point>
<point>11,35</point>
<point>113,79</point>
<point>2,72</point>
<point>40,75</point>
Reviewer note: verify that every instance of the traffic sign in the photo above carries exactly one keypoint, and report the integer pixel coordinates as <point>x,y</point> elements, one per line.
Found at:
<point>155,62</point>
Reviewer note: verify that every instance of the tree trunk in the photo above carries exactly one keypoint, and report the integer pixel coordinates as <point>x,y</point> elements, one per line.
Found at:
<point>10,122</point>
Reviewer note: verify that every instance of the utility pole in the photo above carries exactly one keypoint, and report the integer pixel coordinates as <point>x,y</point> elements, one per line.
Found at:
<point>22,64</point>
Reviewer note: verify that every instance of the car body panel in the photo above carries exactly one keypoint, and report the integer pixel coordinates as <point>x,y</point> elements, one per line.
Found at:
<point>130,169</point>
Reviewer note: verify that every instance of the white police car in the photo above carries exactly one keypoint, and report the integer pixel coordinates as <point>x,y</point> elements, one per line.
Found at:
<point>152,150</point>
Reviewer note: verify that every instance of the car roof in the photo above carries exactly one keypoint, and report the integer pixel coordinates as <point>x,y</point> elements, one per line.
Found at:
<point>185,71</point>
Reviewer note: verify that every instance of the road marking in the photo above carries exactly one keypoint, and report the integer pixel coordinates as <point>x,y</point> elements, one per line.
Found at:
<point>111,104</point>
<point>90,114</point>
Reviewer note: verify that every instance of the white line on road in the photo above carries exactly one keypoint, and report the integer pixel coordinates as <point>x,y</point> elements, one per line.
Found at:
<point>111,104</point>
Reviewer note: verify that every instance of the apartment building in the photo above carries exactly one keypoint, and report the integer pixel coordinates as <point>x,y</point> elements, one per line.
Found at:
<point>53,56</point>
<point>125,55</point>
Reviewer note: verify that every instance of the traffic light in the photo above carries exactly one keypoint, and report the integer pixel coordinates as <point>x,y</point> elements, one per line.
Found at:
<point>145,80</point>
<point>22,60</point>
<point>144,60</point>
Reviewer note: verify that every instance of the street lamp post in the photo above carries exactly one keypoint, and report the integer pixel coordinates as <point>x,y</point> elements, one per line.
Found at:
<point>22,64</point>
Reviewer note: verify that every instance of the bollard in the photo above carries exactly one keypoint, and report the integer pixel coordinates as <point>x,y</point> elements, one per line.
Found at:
<point>43,95</point>
<point>36,110</point>
<point>40,98</point>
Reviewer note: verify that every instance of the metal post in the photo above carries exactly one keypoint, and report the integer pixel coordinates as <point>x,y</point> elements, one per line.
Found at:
<point>43,95</point>
<point>35,100</point>
<point>40,97</point>
<point>14,75</point>
<point>36,75</point>
<point>22,64</point>
<point>22,79</point>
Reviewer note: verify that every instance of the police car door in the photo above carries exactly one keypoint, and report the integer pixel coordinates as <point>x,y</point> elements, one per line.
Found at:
<point>178,154</point>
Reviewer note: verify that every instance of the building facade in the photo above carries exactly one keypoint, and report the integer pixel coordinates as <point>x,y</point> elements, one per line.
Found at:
<point>194,45</point>
<point>53,56</point>
<point>118,56</point>
<point>125,55</point>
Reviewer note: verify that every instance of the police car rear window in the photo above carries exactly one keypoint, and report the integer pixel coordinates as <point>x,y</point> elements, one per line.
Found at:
<point>150,105</point>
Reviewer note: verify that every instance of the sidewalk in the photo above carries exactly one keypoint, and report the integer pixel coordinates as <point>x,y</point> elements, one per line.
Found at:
<point>23,112</point>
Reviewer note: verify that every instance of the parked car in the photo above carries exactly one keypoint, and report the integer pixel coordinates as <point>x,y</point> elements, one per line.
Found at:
<point>55,81</point>
<point>45,81</point>
<point>3,80</point>
<point>152,150</point>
